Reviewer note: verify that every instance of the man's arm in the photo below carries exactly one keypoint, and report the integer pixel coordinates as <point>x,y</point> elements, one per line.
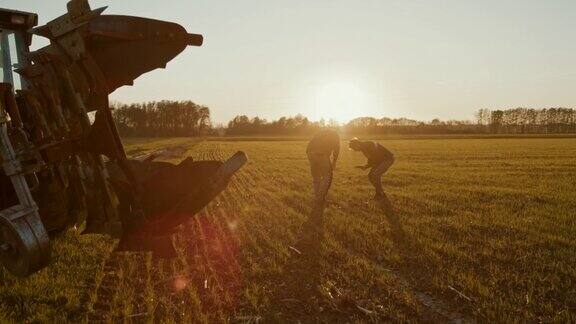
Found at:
<point>371,160</point>
<point>335,155</point>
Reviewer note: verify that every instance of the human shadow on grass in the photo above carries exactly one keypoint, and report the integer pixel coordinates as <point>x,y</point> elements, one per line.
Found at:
<point>436,309</point>
<point>408,248</point>
<point>298,293</point>
<point>398,235</point>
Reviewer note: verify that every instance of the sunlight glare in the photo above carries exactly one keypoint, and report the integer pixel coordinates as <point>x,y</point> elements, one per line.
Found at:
<point>339,100</point>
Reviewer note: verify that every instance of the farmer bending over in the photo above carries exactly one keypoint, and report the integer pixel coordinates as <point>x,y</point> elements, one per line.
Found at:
<point>324,144</point>
<point>379,160</point>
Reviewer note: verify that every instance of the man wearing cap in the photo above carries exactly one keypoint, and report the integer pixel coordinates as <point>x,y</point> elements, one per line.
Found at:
<point>379,161</point>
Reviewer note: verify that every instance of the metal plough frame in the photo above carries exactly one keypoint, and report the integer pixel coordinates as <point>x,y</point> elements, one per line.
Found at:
<point>24,242</point>
<point>52,153</point>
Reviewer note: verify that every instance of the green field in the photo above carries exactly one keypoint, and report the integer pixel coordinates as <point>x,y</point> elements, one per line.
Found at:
<point>478,230</point>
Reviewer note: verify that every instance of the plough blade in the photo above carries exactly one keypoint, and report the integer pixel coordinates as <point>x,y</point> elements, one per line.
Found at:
<point>173,194</point>
<point>111,39</point>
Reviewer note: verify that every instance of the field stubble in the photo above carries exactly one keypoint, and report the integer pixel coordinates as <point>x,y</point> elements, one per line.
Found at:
<point>475,229</point>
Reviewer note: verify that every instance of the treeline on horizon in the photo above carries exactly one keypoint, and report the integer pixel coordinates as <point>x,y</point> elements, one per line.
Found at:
<point>162,118</point>
<point>509,121</point>
<point>185,118</point>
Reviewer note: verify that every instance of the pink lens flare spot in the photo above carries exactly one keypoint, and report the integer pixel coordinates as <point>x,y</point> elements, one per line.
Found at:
<point>179,284</point>
<point>233,225</point>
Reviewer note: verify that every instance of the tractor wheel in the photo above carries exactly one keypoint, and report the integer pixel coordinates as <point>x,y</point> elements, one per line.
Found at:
<point>24,244</point>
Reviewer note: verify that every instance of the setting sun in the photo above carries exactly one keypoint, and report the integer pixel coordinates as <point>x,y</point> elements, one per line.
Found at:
<point>339,100</point>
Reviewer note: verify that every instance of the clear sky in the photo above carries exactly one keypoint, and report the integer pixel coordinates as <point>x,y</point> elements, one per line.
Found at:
<point>343,58</point>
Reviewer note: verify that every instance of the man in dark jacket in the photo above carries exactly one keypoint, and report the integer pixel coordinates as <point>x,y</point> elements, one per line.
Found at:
<point>379,161</point>
<point>322,146</point>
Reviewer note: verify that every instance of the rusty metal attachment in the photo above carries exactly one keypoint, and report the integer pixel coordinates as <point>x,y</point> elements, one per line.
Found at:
<point>62,168</point>
<point>24,243</point>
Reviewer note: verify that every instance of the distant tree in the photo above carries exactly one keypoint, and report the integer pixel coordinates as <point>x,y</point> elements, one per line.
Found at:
<point>496,120</point>
<point>483,116</point>
<point>436,122</point>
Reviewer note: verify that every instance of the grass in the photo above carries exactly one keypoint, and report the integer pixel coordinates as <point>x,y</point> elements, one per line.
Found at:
<point>479,229</point>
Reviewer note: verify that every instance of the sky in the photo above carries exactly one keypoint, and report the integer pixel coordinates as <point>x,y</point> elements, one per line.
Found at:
<point>342,59</point>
